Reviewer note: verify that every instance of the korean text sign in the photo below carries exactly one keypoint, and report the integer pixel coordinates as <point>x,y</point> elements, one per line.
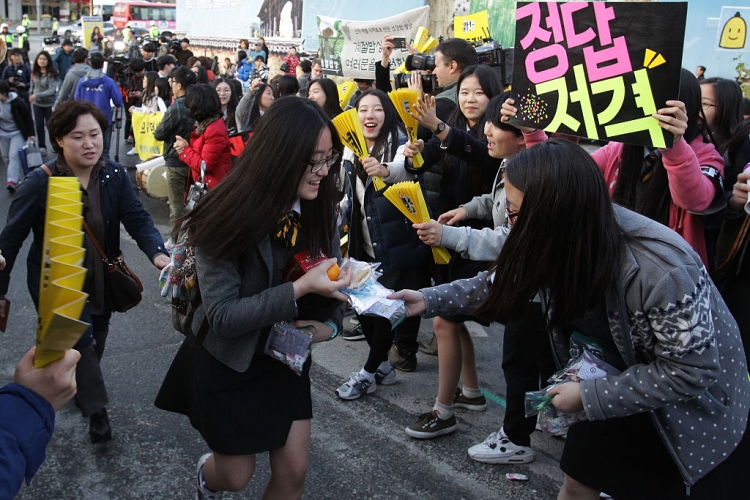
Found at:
<point>598,69</point>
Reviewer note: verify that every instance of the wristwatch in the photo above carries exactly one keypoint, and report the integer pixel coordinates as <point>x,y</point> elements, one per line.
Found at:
<point>440,128</point>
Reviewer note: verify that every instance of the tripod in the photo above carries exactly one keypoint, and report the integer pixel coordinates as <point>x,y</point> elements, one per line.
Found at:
<point>118,127</point>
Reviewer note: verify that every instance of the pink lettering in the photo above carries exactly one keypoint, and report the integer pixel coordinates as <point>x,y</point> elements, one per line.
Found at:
<point>595,59</point>
<point>603,15</point>
<point>556,51</point>
<point>575,39</point>
<point>535,31</point>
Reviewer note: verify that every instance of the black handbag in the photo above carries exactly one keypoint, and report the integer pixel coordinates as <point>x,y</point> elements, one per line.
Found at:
<point>285,68</point>
<point>124,289</point>
<point>197,190</point>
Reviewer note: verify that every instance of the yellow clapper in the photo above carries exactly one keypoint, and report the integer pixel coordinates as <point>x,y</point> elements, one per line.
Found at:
<point>404,99</point>
<point>346,91</point>
<point>350,132</point>
<point>61,298</point>
<point>408,198</point>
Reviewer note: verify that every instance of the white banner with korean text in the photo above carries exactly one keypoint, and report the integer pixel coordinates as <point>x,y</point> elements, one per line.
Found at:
<point>352,48</point>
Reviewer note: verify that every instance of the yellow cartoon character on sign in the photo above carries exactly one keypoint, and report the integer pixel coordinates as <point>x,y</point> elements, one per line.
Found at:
<point>734,33</point>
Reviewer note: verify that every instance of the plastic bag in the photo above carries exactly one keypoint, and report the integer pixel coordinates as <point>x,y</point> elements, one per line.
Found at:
<point>585,366</point>
<point>367,296</point>
<point>289,345</point>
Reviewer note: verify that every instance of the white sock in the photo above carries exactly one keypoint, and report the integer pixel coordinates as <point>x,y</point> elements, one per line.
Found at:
<point>385,367</point>
<point>444,412</point>
<point>370,377</point>
<point>471,393</point>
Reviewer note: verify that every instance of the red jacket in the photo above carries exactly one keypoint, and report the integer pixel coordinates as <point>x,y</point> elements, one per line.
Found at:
<point>212,146</point>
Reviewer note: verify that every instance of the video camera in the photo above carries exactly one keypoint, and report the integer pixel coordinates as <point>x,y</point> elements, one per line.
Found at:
<point>489,53</point>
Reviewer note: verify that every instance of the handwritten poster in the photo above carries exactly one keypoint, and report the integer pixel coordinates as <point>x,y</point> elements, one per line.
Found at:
<point>598,69</point>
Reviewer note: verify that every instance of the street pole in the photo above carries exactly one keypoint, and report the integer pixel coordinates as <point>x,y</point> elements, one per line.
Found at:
<point>38,17</point>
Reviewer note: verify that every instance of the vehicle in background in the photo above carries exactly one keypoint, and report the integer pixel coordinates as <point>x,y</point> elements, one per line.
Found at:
<point>139,14</point>
<point>104,8</point>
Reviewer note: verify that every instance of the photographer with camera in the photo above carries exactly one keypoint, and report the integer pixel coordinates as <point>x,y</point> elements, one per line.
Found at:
<point>132,85</point>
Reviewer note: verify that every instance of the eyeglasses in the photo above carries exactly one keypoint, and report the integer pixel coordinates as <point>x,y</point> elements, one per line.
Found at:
<point>707,105</point>
<point>511,215</point>
<point>316,165</point>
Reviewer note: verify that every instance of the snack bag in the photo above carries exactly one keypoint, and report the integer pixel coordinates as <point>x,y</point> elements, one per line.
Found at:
<point>367,296</point>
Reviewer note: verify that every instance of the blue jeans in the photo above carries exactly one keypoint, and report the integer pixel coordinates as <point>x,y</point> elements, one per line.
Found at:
<point>107,140</point>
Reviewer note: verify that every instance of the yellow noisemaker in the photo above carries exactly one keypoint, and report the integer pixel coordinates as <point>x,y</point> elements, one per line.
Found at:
<point>403,99</point>
<point>61,298</point>
<point>408,198</point>
<point>346,91</point>
<point>350,132</point>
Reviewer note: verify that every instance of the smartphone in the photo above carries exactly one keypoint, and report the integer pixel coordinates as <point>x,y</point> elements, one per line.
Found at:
<point>399,43</point>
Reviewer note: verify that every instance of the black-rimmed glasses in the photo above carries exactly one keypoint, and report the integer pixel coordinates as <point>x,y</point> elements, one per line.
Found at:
<point>328,161</point>
<point>511,215</point>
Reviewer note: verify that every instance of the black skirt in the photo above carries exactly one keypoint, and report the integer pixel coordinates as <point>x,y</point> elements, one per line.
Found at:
<point>627,459</point>
<point>236,413</point>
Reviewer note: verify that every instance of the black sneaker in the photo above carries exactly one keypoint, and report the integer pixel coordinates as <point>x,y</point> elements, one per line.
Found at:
<point>99,429</point>
<point>429,425</point>
<point>355,333</point>
<point>474,404</point>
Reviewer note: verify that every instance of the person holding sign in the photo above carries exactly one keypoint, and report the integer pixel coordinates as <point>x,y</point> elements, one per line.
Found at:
<point>276,203</point>
<point>672,186</point>
<point>75,130</point>
<point>672,424</point>
<point>27,416</point>
<point>379,232</point>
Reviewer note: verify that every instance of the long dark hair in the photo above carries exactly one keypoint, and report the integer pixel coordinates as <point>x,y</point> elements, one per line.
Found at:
<point>255,108</point>
<point>234,100</point>
<point>728,110</point>
<point>491,85</point>
<point>148,92</point>
<point>657,200</point>
<point>262,186</point>
<point>392,126</point>
<point>566,239</point>
<point>50,69</point>
<point>331,107</point>
<point>165,91</point>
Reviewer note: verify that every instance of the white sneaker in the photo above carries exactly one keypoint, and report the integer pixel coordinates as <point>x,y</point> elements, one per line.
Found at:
<point>356,387</point>
<point>202,492</point>
<point>498,449</point>
<point>132,152</point>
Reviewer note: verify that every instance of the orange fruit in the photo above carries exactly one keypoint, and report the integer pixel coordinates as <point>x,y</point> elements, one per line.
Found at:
<point>333,272</point>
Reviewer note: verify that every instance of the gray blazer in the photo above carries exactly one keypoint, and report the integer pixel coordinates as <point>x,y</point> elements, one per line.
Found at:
<point>241,303</point>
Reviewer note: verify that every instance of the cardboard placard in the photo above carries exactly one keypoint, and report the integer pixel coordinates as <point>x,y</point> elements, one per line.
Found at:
<point>598,69</point>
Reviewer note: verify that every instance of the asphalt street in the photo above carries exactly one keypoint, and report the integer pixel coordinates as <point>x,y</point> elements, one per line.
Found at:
<point>359,448</point>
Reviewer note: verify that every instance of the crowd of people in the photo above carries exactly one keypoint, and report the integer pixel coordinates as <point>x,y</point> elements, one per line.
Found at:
<point>639,248</point>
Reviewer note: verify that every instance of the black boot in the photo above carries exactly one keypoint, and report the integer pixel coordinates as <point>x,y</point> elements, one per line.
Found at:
<point>99,428</point>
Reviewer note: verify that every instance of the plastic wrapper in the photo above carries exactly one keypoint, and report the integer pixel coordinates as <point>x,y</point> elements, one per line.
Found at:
<point>584,366</point>
<point>289,346</point>
<point>367,296</point>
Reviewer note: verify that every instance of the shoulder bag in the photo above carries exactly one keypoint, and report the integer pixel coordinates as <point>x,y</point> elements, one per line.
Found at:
<point>124,289</point>
<point>197,190</point>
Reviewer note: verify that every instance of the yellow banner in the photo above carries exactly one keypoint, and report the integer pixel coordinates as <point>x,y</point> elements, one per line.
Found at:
<point>473,27</point>
<point>144,125</point>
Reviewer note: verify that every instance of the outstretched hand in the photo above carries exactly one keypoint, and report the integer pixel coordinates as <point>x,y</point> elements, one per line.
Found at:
<point>415,304</point>
<point>431,232</point>
<point>55,382</point>
<point>425,112</point>
<point>454,216</point>
<point>316,280</point>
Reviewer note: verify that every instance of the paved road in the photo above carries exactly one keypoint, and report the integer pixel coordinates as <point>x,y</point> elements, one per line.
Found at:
<point>359,448</point>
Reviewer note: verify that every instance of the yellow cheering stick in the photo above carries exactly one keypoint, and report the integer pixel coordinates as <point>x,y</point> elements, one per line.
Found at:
<point>403,99</point>
<point>408,198</point>
<point>61,298</point>
<point>350,132</point>
<point>423,43</point>
<point>346,91</point>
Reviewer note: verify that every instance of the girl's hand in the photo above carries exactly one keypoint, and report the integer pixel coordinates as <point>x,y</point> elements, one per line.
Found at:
<point>431,233</point>
<point>425,112</point>
<point>740,192</point>
<point>32,98</point>
<point>373,167</point>
<point>412,149</point>
<point>673,118</point>
<point>316,280</point>
<point>453,216</point>
<point>510,111</point>
<point>179,144</point>
<point>415,80</point>
<point>388,47</point>
<point>414,300</point>
<point>567,397</point>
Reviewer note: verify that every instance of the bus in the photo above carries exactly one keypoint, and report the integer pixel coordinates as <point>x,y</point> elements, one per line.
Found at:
<point>140,14</point>
<point>104,8</point>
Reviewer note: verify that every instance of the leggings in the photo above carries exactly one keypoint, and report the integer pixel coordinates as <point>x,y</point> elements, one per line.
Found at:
<point>41,116</point>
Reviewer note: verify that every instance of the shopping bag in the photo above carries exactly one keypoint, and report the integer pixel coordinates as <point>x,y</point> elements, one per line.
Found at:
<point>33,154</point>
<point>144,125</point>
<point>24,162</point>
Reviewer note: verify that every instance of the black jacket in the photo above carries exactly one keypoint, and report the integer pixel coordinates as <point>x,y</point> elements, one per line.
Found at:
<point>22,116</point>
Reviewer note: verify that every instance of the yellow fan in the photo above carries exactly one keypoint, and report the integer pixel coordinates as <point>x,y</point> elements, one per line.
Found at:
<point>423,43</point>
<point>346,91</point>
<point>61,299</point>
<point>408,198</point>
<point>403,99</point>
<point>350,132</point>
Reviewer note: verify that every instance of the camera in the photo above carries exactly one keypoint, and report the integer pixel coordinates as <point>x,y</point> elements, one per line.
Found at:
<point>492,54</point>
<point>429,82</point>
<point>420,62</point>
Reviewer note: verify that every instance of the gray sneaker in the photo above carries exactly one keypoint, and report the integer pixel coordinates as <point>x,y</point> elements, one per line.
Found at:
<point>429,426</point>
<point>356,387</point>
<point>498,449</point>
<point>385,378</point>
<point>473,404</point>
<point>202,492</point>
